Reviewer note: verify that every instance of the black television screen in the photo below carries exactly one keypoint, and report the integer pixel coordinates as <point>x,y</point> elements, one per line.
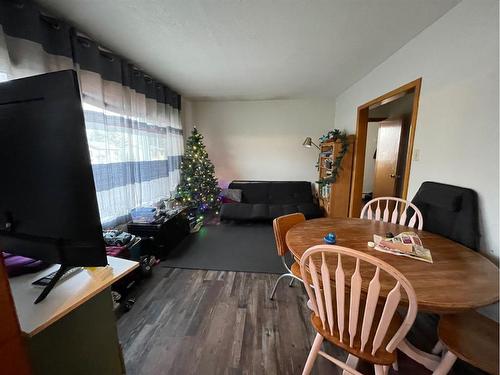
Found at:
<point>48,205</point>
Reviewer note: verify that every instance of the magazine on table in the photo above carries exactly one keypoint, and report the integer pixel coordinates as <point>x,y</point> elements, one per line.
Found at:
<point>406,244</point>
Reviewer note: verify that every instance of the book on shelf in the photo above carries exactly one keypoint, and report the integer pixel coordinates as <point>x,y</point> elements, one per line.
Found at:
<point>325,191</point>
<point>328,163</point>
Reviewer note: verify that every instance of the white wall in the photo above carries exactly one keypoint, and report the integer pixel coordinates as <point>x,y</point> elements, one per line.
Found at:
<point>262,140</point>
<point>186,116</point>
<point>457,128</point>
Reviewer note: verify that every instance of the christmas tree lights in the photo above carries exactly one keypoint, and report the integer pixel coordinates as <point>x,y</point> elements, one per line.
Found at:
<point>198,188</point>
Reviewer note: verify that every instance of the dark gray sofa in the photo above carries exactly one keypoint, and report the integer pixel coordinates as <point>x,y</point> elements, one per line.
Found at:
<point>266,200</point>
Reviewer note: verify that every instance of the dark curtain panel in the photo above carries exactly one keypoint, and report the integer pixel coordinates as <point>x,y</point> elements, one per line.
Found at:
<point>25,20</point>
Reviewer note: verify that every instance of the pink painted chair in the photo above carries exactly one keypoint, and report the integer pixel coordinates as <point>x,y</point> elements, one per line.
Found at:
<point>368,328</point>
<point>394,210</point>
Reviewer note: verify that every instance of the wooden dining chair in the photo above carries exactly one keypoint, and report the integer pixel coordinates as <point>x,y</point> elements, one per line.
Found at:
<point>281,225</point>
<point>367,329</point>
<point>469,336</point>
<point>395,210</point>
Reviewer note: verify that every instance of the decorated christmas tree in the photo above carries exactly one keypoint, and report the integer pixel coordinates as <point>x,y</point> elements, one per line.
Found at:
<point>198,188</point>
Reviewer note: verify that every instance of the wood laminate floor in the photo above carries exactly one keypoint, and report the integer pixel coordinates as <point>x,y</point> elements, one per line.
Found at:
<point>216,322</point>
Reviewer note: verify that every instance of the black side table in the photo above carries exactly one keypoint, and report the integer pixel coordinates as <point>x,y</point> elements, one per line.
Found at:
<point>165,234</point>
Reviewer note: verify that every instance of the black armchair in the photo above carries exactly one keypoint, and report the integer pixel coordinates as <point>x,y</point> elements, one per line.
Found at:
<point>450,211</point>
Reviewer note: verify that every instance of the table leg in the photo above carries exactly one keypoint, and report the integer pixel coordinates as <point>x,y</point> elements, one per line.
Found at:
<point>429,361</point>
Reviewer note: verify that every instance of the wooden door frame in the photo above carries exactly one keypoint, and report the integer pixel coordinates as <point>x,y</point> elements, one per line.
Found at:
<point>360,144</point>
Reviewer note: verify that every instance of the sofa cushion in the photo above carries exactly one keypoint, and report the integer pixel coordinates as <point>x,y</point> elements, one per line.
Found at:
<point>236,211</point>
<point>274,192</point>
<point>277,210</point>
<point>290,192</point>
<point>267,200</point>
<point>310,210</point>
<point>260,211</point>
<point>231,195</point>
<point>227,200</point>
<point>252,191</point>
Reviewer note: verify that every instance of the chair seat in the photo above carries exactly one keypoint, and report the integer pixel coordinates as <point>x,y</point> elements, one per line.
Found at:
<point>471,337</point>
<point>381,357</point>
<point>295,268</point>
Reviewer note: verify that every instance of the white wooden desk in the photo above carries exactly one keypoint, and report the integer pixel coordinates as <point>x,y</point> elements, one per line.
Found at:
<point>64,298</point>
<point>74,328</point>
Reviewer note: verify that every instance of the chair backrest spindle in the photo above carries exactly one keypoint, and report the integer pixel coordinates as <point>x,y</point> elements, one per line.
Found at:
<point>395,213</point>
<point>325,278</point>
<point>388,214</point>
<point>354,303</point>
<point>323,298</point>
<point>340,294</point>
<point>371,304</point>
<point>390,307</point>
<point>377,211</point>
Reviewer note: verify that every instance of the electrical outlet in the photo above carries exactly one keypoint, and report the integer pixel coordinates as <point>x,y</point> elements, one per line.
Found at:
<point>416,154</point>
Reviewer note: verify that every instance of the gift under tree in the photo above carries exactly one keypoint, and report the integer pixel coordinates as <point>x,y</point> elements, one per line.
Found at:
<point>198,188</point>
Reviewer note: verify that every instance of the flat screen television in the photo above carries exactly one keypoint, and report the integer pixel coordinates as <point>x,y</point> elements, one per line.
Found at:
<point>48,204</point>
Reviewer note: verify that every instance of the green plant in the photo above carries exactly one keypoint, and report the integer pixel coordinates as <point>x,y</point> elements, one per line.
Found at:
<point>335,135</point>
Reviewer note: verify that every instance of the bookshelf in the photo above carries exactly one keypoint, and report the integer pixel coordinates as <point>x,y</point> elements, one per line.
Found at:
<point>334,197</point>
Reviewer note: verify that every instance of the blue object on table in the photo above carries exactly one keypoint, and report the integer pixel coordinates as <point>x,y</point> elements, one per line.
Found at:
<point>143,214</point>
<point>330,238</point>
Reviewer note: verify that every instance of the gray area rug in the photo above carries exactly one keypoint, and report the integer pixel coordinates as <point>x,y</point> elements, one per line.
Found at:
<point>228,247</point>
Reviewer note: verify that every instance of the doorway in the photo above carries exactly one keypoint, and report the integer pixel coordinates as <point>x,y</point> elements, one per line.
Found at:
<point>384,146</point>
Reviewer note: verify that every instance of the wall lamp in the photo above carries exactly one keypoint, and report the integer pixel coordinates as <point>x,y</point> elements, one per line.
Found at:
<point>308,143</point>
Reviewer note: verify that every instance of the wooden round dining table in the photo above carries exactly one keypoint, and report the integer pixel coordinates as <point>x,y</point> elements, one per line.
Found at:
<point>459,278</point>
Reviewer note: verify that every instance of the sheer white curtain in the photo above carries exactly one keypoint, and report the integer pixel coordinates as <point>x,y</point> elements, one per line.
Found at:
<point>135,146</point>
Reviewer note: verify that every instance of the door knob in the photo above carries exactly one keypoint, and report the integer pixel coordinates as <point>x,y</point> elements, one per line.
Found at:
<point>395,175</point>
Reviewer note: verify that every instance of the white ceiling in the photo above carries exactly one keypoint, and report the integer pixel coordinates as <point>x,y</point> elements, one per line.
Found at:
<point>253,49</point>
